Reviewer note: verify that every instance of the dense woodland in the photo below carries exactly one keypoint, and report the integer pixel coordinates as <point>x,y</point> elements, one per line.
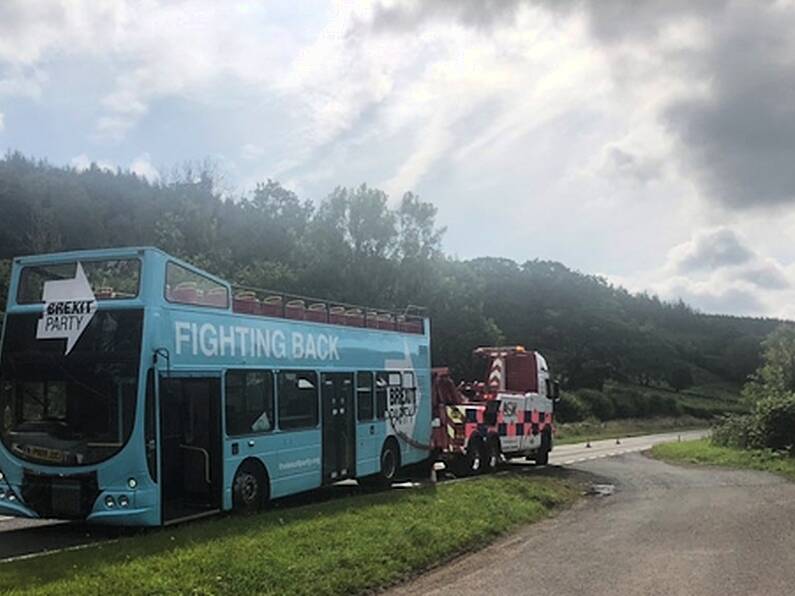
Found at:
<point>359,246</point>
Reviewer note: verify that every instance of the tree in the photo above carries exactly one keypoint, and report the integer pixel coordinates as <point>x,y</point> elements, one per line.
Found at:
<point>358,246</point>
<point>680,378</point>
<point>776,377</point>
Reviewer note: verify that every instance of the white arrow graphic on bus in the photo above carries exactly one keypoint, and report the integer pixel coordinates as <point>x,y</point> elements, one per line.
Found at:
<point>69,306</point>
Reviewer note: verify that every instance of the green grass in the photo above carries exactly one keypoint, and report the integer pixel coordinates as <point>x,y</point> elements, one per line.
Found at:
<point>577,432</point>
<point>704,452</point>
<point>337,547</point>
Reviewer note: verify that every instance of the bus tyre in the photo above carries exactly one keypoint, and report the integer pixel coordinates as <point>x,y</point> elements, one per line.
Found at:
<point>492,455</point>
<point>473,461</point>
<point>390,463</point>
<point>249,488</point>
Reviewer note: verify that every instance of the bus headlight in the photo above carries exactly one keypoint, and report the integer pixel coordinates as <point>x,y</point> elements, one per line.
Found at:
<point>132,483</point>
<point>110,503</point>
<point>2,476</point>
<point>11,496</point>
<point>2,494</point>
<point>124,501</point>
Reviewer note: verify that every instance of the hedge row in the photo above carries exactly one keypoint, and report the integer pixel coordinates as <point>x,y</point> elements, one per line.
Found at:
<point>771,425</point>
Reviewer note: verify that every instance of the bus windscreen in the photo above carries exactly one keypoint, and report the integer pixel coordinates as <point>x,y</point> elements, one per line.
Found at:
<point>74,409</point>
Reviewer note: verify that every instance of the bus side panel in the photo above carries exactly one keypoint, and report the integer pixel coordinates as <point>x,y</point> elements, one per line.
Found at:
<point>292,460</point>
<point>369,439</point>
<point>421,432</point>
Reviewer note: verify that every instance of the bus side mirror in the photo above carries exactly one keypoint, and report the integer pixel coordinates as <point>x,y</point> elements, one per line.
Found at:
<point>555,391</point>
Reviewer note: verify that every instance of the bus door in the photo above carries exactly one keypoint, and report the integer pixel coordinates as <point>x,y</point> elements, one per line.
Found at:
<point>339,426</point>
<point>190,446</point>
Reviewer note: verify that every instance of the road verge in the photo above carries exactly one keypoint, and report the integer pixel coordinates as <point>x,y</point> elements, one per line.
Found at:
<point>338,547</point>
<point>704,452</point>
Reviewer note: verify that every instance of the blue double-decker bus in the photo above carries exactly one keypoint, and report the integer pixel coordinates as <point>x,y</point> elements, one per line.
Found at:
<point>136,389</point>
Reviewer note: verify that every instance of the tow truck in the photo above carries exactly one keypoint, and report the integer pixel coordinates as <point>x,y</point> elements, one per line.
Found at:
<point>507,415</point>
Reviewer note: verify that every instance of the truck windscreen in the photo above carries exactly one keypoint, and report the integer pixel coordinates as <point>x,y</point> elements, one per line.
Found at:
<point>74,409</point>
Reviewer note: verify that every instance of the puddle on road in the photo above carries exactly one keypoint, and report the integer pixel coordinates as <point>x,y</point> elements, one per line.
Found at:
<point>601,490</point>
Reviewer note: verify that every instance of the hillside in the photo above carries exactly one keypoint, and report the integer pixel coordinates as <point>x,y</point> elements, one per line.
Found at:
<point>353,246</point>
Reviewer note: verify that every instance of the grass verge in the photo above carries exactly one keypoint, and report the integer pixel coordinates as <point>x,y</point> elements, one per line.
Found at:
<point>576,432</point>
<point>337,547</point>
<point>704,452</point>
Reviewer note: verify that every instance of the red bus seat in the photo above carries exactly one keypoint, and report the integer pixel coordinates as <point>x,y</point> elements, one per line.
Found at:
<point>246,303</point>
<point>272,306</point>
<point>336,315</point>
<point>186,293</point>
<point>354,317</point>
<point>295,309</point>
<point>316,312</point>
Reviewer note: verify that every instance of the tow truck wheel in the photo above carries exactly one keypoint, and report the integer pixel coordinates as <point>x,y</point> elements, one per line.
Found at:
<point>474,460</point>
<point>492,455</point>
<point>542,455</point>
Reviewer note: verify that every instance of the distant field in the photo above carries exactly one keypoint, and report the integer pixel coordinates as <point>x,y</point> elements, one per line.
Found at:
<point>576,432</point>
<point>703,401</point>
<point>338,547</point>
<point>704,452</point>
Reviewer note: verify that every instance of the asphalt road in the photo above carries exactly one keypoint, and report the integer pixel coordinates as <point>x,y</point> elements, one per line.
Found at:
<point>578,452</point>
<point>665,530</point>
<point>22,537</point>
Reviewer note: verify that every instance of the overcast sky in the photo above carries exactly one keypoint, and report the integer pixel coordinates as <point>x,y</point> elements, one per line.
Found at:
<point>650,142</point>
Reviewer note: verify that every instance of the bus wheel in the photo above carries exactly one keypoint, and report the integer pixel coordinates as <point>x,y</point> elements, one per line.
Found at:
<point>249,488</point>
<point>390,462</point>
<point>390,465</point>
<point>492,455</point>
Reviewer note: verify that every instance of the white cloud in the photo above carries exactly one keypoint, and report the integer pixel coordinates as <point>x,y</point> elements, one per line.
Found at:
<point>250,151</point>
<point>716,270</point>
<point>2,121</point>
<point>83,162</point>
<point>158,49</point>
<point>142,166</point>
<point>710,250</point>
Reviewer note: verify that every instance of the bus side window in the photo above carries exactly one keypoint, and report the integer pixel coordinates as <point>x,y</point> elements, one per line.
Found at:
<point>364,395</point>
<point>381,388</point>
<point>184,286</point>
<point>298,399</point>
<point>249,402</point>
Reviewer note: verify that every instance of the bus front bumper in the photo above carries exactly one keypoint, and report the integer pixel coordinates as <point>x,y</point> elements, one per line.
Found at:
<point>16,509</point>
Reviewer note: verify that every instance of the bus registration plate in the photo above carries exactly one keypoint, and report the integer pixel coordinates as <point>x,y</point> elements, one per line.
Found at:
<point>52,455</point>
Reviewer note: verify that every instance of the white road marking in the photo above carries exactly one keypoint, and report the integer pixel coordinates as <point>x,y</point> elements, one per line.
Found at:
<point>58,550</point>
